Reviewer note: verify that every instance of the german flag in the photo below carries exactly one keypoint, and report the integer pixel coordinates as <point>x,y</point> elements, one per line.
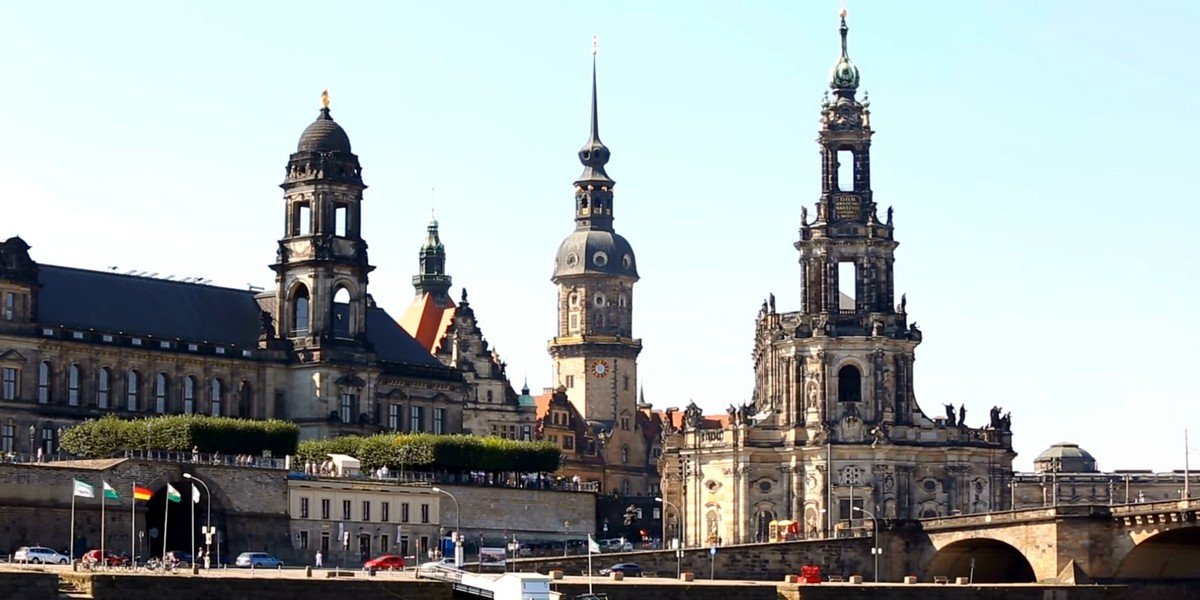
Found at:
<point>141,493</point>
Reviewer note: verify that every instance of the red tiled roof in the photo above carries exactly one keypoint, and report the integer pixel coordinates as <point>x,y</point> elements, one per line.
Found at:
<point>427,321</point>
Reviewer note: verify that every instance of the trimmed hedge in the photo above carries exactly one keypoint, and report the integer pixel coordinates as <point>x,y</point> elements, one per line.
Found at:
<point>424,451</point>
<point>180,433</point>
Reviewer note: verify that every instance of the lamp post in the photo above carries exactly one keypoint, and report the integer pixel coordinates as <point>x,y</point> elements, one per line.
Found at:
<point>876,550</point>
<point>208,532</point>
<point>458,558</point>
<point>672,505</point>
<point>32,450</point>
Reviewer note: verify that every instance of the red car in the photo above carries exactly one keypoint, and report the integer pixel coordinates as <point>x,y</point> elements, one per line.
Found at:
<point>385,561</point>
<point>92,557</point>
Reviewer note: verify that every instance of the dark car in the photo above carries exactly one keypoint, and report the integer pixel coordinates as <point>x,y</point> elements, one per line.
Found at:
<point>385,561</point>
<point>629,569</point>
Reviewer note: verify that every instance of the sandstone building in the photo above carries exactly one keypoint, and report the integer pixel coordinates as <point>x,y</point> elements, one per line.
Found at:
<point>834,431</point>
<point>316,349</point>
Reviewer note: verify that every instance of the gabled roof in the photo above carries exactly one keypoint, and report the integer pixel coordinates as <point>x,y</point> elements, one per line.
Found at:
<point>427,320</point>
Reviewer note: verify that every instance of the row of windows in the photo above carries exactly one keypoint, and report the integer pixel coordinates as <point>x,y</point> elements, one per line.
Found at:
<point>510,432</point>
<point>47,440</point>
<point>109,392</point>
<point>416,418</point>
<point>365,512</point>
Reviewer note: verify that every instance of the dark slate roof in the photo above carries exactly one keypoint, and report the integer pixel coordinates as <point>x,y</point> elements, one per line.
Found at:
<point>171,310</point>
<point>324,135</point>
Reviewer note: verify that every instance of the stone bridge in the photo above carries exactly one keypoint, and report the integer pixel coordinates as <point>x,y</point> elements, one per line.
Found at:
<point>1078,543</point>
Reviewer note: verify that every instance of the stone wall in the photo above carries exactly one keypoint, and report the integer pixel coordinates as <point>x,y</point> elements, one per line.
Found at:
<point>134,587</point>
<point>29,586</point>
<point>530,514</point>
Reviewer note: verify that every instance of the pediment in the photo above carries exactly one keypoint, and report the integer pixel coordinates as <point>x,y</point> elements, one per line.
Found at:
<point>12,355</point>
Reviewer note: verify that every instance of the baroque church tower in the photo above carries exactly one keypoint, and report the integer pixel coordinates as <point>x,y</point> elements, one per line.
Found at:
<point>834,432</point>
<point>594,352</point>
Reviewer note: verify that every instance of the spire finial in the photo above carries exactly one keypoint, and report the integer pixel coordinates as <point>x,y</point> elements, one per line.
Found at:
<point>595,111</point>
<point>844,78</point>
<point>843,30</point>
<point>325,98</point>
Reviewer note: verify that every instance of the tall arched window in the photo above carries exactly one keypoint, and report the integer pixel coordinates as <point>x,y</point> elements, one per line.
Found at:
<point>849,384</point>
<point>73,385</point>
<point>189,395</point>
<point>131,390</point>
<point>341,313</point>
<point>216,393</point>
<point>160,393</point>
<point>300,311</point>
<point>44,382</point>
<point>103,387</point>
<point>245,405</point>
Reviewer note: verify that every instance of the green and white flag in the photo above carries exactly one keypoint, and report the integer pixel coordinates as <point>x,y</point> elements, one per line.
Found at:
<point>84,490</point>
<point>109,492</point>
<point>173,494</point>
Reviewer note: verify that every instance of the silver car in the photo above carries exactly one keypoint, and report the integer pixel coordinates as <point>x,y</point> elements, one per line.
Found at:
<point>39,555</point>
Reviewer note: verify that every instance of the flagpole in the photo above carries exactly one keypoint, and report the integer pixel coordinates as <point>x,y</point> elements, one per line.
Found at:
<point>192,548</point>
<point>71,546</point>
<point>103,497</point>
<point>166,513</point>
<point>133,525</point>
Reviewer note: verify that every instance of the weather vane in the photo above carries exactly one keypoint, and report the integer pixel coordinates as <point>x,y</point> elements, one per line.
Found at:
<point>325,98</point>
<point>595,44</point>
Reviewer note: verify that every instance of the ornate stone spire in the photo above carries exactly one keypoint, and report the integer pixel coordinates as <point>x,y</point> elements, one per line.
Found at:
<point>594,154</point>
<point>843,78</point>
<point>432,277</point>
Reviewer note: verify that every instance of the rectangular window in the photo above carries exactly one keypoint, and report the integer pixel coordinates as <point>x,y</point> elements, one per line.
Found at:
<point>10,301</point>
<point>325,508</point>
<point>339,221</point>
<point>845,170</point>
<point>73,385</point>
<point>347,408</point>
<point>44,383</point>
<point>346,509</point>
<point>325,543</point>
<point>304,508</point>
<point>526,432</point>
<point>8,438</point>
<point>102,388</point>
<point>394,417</point>
<point>568,442</point>
<point>404,546</point>
<point>303,220</point>
<point>9,388</point>
<point>48,440</point>
<point>424,513</point>
<point>366,516</point>
<point>570,381</point>
<point>403,512</point>
<point>384,511</point>
<point>189,396</point>
<point>439,420</point>
<point>416,418</point>
<point>847,285</point>
<point>131,391</point>
<point>383,543</point>
<point>846,512</point>
<point>304,540</point>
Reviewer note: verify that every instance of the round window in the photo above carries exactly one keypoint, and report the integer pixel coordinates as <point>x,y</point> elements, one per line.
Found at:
<point>600,258</point>
<point>574,300</point>
<point>572,259</point>
<point>627,261</point>
<point>599,299</point>
<point>930,485</point>
<point>764,486</point>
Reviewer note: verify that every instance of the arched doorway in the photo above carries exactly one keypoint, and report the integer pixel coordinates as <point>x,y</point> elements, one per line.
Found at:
<point>762,525</point>
<point>179,525</point>
<point>1171,554</point>
<point>984,560</point>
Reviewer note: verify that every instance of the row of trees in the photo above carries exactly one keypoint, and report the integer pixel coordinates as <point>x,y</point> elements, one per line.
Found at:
<point>180,433</point>
<point>424,451</point>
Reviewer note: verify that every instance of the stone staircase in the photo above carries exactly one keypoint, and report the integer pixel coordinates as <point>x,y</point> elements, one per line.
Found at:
<point>68,589</point>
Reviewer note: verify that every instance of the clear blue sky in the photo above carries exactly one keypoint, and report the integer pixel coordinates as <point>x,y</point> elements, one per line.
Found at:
<point>1038,156</point>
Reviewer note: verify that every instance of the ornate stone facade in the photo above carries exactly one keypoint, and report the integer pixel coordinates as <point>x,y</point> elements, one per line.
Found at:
<point>77,344</point>
<point>834,432</point>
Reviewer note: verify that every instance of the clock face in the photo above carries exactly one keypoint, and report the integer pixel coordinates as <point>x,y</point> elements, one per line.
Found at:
<point>600,368</point>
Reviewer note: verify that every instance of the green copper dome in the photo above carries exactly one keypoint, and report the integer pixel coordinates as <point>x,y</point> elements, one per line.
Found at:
<point>844,75</point>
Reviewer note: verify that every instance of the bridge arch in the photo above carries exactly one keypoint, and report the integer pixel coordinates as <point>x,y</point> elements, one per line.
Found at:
<point>1172,554</point>
<point>994,562</point>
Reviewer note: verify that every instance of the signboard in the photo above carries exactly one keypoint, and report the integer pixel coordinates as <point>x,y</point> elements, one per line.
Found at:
<point>491,557</point>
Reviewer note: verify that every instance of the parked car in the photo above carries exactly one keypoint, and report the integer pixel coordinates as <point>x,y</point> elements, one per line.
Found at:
<point>178,558</point>
<point>629,569</point>
<point>385,561</point>
<point>615,545</point>
<point>39,555</point>
<point>92,558</point>
<point>257,559</point>
<point>447,562</point>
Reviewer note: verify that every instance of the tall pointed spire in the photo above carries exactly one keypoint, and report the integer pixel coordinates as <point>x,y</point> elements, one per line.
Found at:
<point>594,154</point>
<point>843,78</point>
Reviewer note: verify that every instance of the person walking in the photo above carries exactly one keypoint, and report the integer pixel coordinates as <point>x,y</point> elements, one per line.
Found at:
<point>319,562</point>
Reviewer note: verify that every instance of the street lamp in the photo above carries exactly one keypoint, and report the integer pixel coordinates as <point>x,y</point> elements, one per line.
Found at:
<point>32,451</point>
<point>208,532</point>
<point>457,527</point>
<point>676,516</point>
<point>876,550</point>
<point>679,549</point>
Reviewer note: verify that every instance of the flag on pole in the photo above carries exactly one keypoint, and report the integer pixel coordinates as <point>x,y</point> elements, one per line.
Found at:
<point>173,494</point>
<point>141,493</point>
<point>593,546</point>
<point>83,490</point>
<point>109,492</point>
<point>195,494</point>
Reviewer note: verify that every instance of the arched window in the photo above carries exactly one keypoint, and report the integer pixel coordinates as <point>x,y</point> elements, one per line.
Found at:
<point>189,395</point>
<point>849,384</point>
<point>131,390</point>
<point>103,387</point>
<point>73,385</point>
<point>300,311</point>
<point>341,313</point>
<point>626,488</point>
<point>160,393</point>
<point>245,400</point>
<point>216,393</point>
<point>625,454</point>
<point>712,524</point>
<point>44,382</point>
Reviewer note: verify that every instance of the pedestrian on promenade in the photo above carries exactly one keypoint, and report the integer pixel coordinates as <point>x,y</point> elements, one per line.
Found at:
<point>319,562</point>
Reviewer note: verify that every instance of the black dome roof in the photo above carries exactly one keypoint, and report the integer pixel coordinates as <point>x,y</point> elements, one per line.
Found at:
<point>595,252</point>
<point>324,135</point>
